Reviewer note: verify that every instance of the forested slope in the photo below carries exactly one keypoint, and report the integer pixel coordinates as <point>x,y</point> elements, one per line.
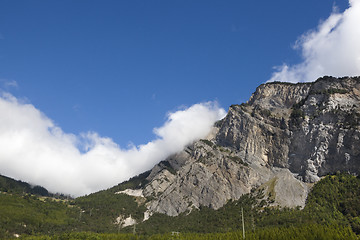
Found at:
<point>332,212</point>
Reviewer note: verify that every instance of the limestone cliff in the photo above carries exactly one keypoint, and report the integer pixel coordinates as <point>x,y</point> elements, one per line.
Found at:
<point>282,140</point>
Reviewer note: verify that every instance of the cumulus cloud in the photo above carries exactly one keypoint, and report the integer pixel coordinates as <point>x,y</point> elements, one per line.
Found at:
<point>34,149</point>
<point>331,49</point>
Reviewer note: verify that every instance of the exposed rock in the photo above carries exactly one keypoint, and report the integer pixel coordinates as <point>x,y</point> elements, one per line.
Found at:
<point>125,222</point>
<point>147,215</point>
<point>284,138</point>
<point>131,192</point>
<point>285,190</point>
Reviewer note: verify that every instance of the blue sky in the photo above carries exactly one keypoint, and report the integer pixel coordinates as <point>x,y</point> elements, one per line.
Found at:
<point>81,80</point>
<point>117,67</point>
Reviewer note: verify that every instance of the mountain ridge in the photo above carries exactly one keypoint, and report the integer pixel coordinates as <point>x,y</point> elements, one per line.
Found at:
<point>282,140</point>
<point>265,156</point>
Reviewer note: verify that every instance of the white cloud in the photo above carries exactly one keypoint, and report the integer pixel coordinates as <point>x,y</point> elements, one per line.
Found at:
<point>6,83</point>
<point>332,49</point>
<point>33,149</point>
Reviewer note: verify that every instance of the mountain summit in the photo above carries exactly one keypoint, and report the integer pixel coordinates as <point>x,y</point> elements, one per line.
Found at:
<point>284,139</point>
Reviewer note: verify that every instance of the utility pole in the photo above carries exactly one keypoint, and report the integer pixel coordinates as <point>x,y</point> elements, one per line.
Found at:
<point>242,220</point>
<point>80,214</point>
<point>134,229</point>
<point>119,221</point>
<point>252,221</point>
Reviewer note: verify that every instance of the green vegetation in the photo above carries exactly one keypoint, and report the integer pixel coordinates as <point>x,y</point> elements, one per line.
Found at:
<point>299,104</point>
<point>24,213</point>
<point>265,113</point>
<point>207,142</point>
<point>99,211</point>
<point>237,160</point>
<point>297,115</point>
<point>222,149</point>
<point>332,212</point>
<point>351,120</point>
<point>287,83</point>
<point>132,183</point>
<point>10,185</point>
<point>32,214</point>
<point>341,194</point>
<point>329,91</point>
<point>310,232</point>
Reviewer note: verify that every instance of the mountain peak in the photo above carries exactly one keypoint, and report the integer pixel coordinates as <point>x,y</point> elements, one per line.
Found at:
<point>286,137</point>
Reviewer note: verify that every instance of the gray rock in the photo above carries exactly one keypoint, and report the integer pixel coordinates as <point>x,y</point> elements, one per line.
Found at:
<point>286,137</point>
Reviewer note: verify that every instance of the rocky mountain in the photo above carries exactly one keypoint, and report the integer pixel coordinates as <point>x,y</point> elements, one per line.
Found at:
<point>268,151</point>
<point>284,139</point>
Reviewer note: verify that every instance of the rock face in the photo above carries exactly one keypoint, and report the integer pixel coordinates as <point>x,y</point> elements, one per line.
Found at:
<point>282,140</point>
